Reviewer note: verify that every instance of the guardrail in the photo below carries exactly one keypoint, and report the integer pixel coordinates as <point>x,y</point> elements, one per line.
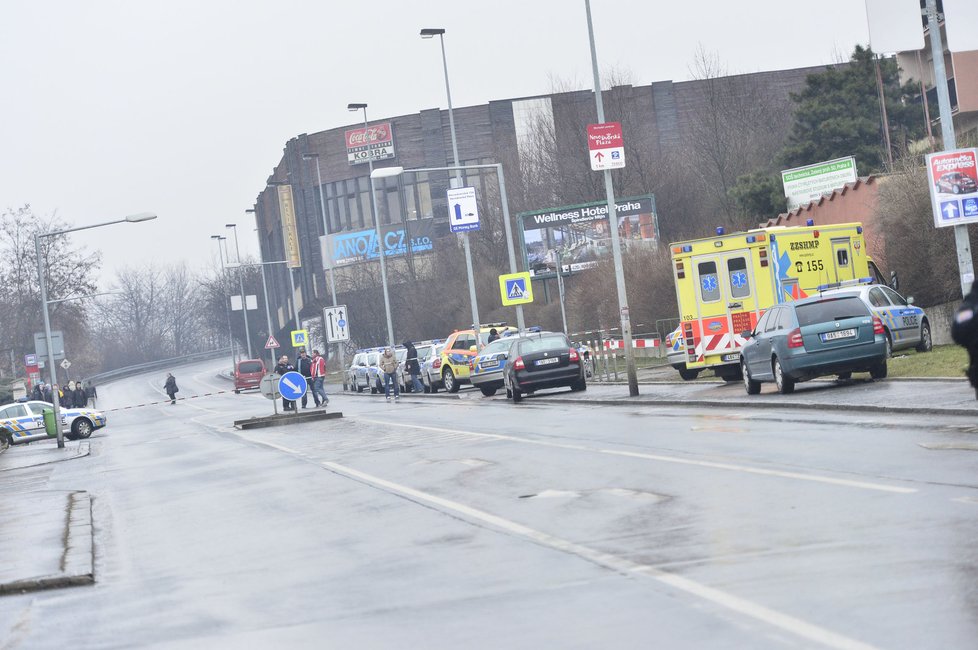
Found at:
<point>128,371</point>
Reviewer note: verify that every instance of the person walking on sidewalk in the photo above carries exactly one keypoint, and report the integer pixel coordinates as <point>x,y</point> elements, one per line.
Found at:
<point>318,379</point>
<point>303,366</point>
<point>171,387</point>
<point>388,365</point>
<point>413,367</point>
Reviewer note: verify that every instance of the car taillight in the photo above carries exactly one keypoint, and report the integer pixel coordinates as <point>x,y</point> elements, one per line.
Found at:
<point>518,364</point>
<point>574,356</point>
<point>436,364</point>
<point>878,326</point>
<point>794,339</point>
<point>471,365</point>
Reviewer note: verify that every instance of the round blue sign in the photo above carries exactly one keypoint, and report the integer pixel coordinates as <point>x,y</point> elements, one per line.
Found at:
<point>341,322</point>
<point>292,385</point>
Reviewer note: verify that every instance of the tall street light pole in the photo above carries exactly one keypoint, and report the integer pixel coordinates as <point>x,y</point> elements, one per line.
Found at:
<point>440,33</point>
<point>381,245</point>
<point>244,298</point>
<point>384,172</point>
<point>133,218</point>
<point>626,324</point>
<point>227,307</point>
<point>327,263</point>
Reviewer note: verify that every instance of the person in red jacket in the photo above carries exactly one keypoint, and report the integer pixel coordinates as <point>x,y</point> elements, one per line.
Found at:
<point>318,379</point>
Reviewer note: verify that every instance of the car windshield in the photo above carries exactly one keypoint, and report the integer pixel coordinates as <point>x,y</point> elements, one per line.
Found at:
<point>497,346</point>
<point>543,343</point>
<point>400,354</point>
<point>250,367</point>
<point>373,358</point>
<point>831,310</point>
<point>424,352</point>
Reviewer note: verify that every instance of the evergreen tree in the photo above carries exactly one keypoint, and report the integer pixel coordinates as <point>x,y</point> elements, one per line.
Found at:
<point>838,114</point>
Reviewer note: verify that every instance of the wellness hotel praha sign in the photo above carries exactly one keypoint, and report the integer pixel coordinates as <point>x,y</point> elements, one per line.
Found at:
<point>370,143</point>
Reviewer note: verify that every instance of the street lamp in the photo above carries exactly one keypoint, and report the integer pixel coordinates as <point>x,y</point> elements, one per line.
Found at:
<point>244,298</point>
<point>227,307</point>
<point>133,218</point>
<point>386,172</point>
<point>440,33</point>
<point>381,247</point>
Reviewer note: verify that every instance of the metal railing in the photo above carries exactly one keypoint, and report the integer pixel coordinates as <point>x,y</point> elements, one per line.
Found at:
<point>128,371</point>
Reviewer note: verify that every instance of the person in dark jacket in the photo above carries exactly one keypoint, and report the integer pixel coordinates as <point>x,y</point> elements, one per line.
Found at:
<point>171,387</point>
<point>493,335</point>
<point>37,394</point>
<point>413,367</point>
<point>67,397</point>
<point>303,366</point>
<point>47,393</point>
<point>283,366</point>
<point>81,398</point>
<point>964,331</point>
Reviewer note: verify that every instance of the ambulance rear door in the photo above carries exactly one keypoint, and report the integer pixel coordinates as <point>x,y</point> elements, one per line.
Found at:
<point>726,298</point>
<point>842,255</point>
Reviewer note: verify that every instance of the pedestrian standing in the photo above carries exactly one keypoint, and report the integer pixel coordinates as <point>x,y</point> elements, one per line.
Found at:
<point>46,391</point>
<point>171,387</point>
<point>37,394</point>
<point>493,334</point>
<point>413,367</point>
<point>67,398</point>
<point>304,367</point>
<point>283,366</point>
<point>81,399</point>
<point>388,365</point>
<point>318,379</point>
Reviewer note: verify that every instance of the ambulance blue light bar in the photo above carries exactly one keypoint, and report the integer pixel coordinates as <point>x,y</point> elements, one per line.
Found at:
<point>720,230</point>
<point>688,248</point>
<point>810,222</point>
<point>844,283</point>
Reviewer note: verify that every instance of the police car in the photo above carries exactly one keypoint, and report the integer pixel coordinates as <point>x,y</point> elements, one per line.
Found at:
<point>486,368</point>
<point>905,325</point>
<point>24,422</point>
<point>460,347</point>
<point>676,354</point>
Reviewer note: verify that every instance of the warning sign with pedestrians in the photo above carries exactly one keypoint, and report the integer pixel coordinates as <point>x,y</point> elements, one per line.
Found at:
<point>515,288</point>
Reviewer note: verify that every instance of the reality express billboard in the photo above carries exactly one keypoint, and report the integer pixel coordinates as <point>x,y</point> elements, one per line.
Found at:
<point>346,248</point>
<point>579,234</point>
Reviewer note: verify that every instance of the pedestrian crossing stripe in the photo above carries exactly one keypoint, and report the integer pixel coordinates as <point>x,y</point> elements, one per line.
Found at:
<point>515,289</point>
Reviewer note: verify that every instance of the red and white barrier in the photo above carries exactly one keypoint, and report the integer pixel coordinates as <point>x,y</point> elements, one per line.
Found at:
<point>616,344</point>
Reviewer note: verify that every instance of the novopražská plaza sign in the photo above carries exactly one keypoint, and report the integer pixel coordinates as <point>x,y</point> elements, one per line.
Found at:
<point>579,236</point>
<point>342,249</point>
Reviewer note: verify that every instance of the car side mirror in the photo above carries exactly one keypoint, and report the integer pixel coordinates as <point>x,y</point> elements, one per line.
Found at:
<point>909,300</point>
<point>746,335</point>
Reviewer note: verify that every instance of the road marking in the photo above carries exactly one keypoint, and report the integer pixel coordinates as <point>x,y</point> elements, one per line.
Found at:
<point>665,459</point>
<point>615,563</point>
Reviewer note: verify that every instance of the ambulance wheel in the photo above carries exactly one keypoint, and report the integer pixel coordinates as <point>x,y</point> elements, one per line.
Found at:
<point>687,374</point>
<point>785,384</point>
<point>753,387</point>
<point>926,342</point>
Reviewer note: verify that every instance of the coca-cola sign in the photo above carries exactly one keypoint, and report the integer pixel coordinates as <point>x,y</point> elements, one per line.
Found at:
<point>374,142</point>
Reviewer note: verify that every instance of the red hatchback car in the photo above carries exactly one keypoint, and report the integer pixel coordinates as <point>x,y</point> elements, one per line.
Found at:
<point>248,374</point>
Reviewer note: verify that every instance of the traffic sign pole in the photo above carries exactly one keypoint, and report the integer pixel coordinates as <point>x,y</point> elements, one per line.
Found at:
<point>626,325</point>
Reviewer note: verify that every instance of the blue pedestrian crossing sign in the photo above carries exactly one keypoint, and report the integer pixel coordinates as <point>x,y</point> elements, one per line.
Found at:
<point>292,385</point>
<point>515,288</point>
<point>300,338</point>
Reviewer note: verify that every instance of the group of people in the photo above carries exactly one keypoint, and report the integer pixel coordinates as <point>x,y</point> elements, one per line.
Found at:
<point>74,395</point>
<point>314,370</point>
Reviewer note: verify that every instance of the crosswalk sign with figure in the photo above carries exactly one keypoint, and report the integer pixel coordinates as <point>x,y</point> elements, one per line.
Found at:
<point>300,338</point>
<point>515,288</point>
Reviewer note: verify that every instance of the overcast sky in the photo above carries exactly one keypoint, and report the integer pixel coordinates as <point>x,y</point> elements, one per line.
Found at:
<point>183,107</point>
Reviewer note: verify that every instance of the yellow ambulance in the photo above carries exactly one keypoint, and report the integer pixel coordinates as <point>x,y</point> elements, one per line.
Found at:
<point>724,283</point>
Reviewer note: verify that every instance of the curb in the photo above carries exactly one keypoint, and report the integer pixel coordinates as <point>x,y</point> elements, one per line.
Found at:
<point>78,559</point>
<point>283,419</point>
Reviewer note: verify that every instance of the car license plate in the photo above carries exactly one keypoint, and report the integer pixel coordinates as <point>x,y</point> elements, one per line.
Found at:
<point>547,362</point>
<point>841,334</point>
<point>731,357</point>
<point>485,365</point>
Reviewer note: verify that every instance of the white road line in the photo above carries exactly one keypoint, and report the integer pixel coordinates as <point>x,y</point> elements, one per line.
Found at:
<point>665,459</point>
<point>621,565</point>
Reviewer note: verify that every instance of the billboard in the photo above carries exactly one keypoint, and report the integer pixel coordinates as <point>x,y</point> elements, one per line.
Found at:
<point>953,179</point>
<point>344,248</point>
<point>290,236</point>
<point>805,184</point>
<point>578,236</point>
<point>370,143</point>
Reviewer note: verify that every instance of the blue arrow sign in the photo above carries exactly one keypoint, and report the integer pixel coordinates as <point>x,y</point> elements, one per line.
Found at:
<point>292,385</point>
<point>950,209</point>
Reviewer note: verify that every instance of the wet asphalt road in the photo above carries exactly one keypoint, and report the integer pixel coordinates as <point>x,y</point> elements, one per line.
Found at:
<point>446,523</point>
